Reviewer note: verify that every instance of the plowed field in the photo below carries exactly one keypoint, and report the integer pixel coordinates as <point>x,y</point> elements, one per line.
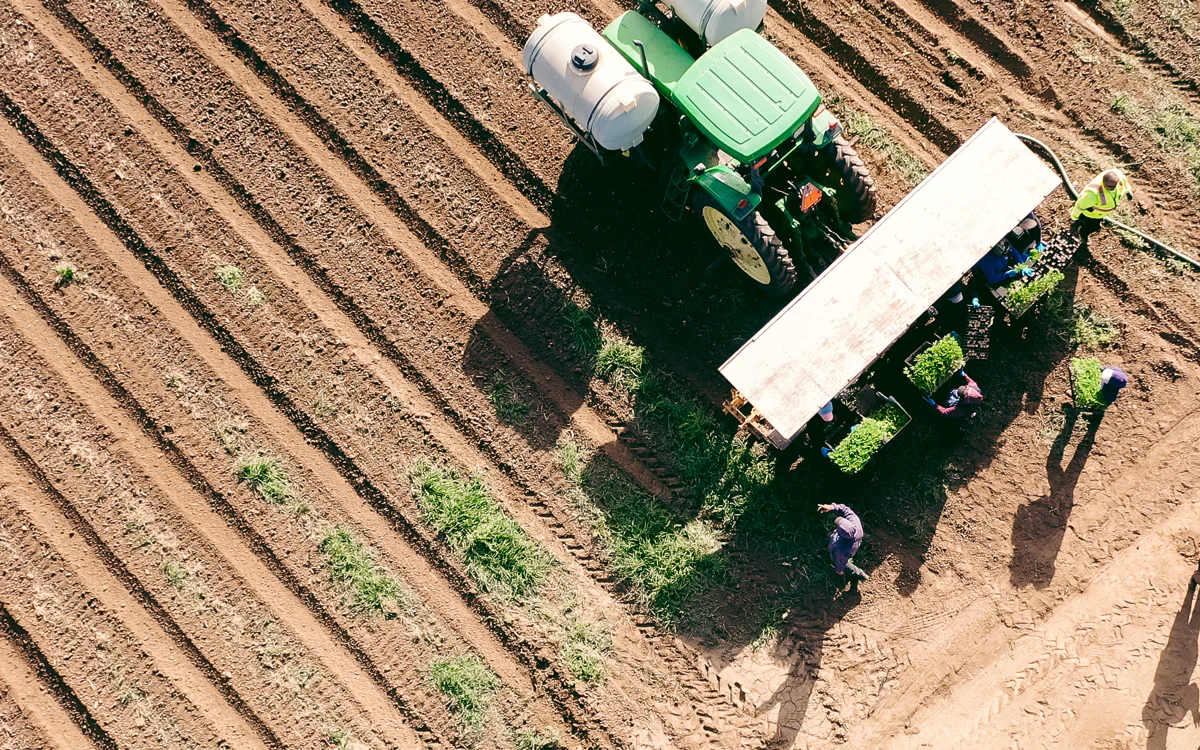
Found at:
<point>345,402</point>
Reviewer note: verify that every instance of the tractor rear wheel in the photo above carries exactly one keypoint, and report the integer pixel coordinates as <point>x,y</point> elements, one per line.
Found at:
<point>751,244</point>
<point>856,196</point>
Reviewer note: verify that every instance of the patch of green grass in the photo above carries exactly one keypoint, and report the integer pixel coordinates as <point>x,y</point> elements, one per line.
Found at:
<point>67,273</point>
<point>1091,329</point>
<point>352,564</point>
<point>1169,122</point>
<point>620,362</point>
<point>468,687</point>
<point>583,334</point>
<point>231,277</point>
<point>496,551</point>
<point>1177,267</point>
<point>265,474</point>
<point>875,137</point>
<point>936,364</point>
<point>584,648</point>
<point>534,740</point>
<point>1085,383</point>
<point>176,574</point>
<point>669,561</point>
<point>506,401</point>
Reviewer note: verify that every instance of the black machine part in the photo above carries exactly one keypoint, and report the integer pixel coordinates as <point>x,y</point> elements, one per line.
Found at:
<point>584,57</point>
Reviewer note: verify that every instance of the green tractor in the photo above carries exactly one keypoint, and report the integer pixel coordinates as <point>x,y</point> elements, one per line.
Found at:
<point>735,129</point>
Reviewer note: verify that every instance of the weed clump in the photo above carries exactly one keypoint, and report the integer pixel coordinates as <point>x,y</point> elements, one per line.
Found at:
<point>254,297</point>
<point>878,139</point>
<point>535,740</point>
<point>1091,329</point>
<point>352,564</point>
<point>497,552</point>
<point>177,575</point>
<point>1085,383</point>
<point>620,363</point>
<point>583,335</point>
<point>936,364</point>
<point>467,685</point>
<point>231,277</point>
<point>584,649</point>
<point>265,474</point>
<point>506,401</point>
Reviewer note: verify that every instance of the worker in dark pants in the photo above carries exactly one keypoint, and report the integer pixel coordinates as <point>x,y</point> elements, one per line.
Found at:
<point>1097,201</point>
<point>844,541</point>
<point>1112,380</point>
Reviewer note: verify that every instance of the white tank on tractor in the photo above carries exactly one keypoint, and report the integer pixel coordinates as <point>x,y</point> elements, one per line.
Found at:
<point>594,85</point>
<point>713,20</point>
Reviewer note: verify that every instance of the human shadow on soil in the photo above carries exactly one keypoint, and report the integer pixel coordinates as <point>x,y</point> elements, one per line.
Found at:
<point>1040,525</point>
<point>1174,693</point>
<point>769,580</point>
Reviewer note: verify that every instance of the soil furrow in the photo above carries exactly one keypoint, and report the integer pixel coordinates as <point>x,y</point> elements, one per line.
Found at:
<point>182,409</point>
<point>30,716</point>
<point>14,640</point>
<point>79,460</point>
<point>113,654</point>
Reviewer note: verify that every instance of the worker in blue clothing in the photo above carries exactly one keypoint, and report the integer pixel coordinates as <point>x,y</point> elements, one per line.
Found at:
<point>844,541</point>
<point>998,266</point>
<point>1112,380</point>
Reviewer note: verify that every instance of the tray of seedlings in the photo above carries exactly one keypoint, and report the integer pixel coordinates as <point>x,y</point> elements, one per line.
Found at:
<point>979,332</point>
<point>1085,384</point>
<point>934,362</point>
<point>1046,263</point>
<point>872,421</point>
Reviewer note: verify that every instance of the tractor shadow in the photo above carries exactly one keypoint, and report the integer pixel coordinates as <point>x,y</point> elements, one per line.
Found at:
<point>767,586</point>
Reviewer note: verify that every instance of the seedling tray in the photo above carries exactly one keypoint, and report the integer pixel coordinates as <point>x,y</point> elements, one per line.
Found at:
<point>870,402</point>
<point>979,332</point>
<point>912,358</point>
<point>1085,402</point>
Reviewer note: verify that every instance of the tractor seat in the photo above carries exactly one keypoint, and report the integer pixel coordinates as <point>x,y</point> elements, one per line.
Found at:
<point>666,59</point>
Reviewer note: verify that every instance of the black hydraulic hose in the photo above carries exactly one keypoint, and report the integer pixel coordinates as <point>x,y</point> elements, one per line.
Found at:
<point>1062,172</point>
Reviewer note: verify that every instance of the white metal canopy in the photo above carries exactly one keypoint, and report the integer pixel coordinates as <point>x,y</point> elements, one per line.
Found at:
<point>865,300</point>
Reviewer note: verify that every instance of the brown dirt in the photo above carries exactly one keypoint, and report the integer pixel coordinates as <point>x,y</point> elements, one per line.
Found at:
<point>415,224</point>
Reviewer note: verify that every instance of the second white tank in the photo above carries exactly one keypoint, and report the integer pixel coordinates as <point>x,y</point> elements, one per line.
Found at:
<point>593,84</point>
<point>714,20</point>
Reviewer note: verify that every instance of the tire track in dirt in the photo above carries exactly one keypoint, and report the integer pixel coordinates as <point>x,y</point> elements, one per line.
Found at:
<point>16,646</point>
<point>294,443</point>
<point>381,503</point>
<point>25,698</point>
<point>139,682</point>
<point>205,511</point>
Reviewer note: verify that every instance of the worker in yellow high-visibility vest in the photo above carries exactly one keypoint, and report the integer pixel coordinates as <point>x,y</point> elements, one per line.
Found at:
<point>1098,200</point>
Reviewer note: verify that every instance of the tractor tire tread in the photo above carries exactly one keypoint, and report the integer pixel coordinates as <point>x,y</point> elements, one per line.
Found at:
<point>848,166</point>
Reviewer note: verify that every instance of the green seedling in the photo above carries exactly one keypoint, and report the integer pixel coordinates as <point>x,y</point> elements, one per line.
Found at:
<point>254,297</point>
<point>1021,298</point>
<point>936,364</point>
<point>535,740</point>
<point>497,552</point>
<point>352,564</point>
<point>857,448</point>
<point>231,277</point>
<point>585,647</point>
<point>176,574</point>
<point>1091,329</point>
<point>67,273</point>
<point>1085,383</point>
<point>467,685</point>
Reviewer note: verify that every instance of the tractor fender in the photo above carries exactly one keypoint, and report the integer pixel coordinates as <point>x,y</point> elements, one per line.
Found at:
<point>729,190</point>
<point>826,127</point>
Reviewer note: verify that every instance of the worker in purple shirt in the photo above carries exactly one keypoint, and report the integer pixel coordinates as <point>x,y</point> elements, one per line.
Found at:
<point>1112,380</point>
<point>962,401</point>
<point>844,541</point>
